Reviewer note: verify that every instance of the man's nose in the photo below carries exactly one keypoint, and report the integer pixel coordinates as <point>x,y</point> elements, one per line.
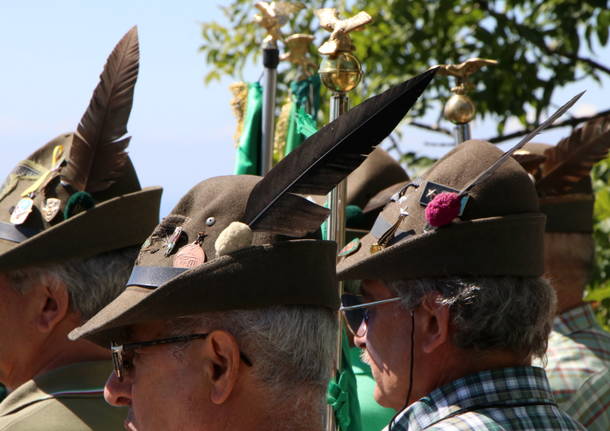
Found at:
<point>117,393</point>
<point>360,340</point>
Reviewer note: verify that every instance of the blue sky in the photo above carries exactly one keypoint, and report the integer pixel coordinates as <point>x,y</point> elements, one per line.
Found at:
<point>53,52</point>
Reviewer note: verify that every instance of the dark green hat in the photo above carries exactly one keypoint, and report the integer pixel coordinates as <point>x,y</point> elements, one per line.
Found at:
<point>433,230</point>
<point>376,173</point>
<point>183,268</point>
<point>562,175</point>
<point>79,195</point>
<point>367,190</point>
<point>224,245</point>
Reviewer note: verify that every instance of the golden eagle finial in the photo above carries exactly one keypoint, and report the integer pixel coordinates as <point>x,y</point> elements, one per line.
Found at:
<point>463,71</point>
<point>273,15</point>
<point>339,40</point>
<point>298,52</point>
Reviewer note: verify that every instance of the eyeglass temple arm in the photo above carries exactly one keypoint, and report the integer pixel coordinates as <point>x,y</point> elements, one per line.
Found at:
<point>368,304</point>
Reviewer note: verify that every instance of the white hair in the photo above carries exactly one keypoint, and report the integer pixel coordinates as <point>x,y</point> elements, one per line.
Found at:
<point>92,283</point>
<point>490,313</point>
<point>291,349</point>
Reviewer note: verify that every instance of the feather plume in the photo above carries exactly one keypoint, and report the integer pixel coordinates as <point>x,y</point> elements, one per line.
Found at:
<point>530,161</point>
<point>489,171</point>
<point>329,155</point>
<point>573,157</point>
<point>97,154</point>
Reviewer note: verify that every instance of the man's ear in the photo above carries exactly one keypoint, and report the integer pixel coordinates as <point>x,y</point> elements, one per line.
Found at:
<point>433,321</point>
<point>223,353</point>
<point>52,301</point>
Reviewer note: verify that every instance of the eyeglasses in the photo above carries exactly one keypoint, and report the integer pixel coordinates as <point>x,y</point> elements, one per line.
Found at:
<point>122,359</point>
<point>356,312</point>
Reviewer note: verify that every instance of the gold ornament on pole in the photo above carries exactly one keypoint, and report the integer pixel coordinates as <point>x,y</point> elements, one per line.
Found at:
<point>340,72</point>
<point>273,15</point>
<point>297,53</point>
<point>460,108</point>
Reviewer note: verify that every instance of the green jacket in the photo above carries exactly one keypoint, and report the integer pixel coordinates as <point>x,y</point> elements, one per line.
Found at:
<point>69,398</point>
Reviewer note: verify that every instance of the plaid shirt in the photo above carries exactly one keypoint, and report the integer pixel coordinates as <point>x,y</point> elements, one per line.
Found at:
<point>516,398</point>
<point>578,358</point>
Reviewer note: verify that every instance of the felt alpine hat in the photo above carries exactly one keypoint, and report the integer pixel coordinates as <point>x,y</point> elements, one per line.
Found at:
<point>369,189</point>
<point>475,212</point>
<point>562,175</point>
<point>79,195</point>
<point>236,242</point>
<point>495,229</point>
<point>201,258</point>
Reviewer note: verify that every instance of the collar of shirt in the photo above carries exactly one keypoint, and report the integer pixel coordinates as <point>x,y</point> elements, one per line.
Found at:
<point>83,379</point>
<point>577,319</point>
<point>501,388</point>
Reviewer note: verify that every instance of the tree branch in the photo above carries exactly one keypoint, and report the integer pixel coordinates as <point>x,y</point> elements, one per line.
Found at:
<point>571,122</point>
<point>430,127</point>
<point>594,64</point>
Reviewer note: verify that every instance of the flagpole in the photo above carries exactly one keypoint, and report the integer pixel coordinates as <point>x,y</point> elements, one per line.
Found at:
<point>273,15</point>
<point>459,108</point>
<point>340,72</point>
<point>271,58</point>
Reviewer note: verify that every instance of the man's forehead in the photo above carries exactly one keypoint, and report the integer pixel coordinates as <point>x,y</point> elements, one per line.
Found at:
<point>146,330</point>
<point>374,289</point>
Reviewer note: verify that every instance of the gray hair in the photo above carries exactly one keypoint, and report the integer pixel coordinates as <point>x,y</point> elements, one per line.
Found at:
<point>291,349</point>
<point>490,313</point>
<point>92,283</point>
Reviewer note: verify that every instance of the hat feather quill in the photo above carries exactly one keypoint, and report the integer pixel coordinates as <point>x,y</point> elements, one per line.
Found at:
<point>489,171</point>
<point>326,158</point>
<point>97,154</point>
<point>573,157</point>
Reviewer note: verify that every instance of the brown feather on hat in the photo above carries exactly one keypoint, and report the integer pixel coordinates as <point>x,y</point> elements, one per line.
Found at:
<point>79,195</point>
<point>562,175</point>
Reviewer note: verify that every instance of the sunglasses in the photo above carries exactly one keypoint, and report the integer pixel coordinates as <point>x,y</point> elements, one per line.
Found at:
<point>122,354</point>
<point>356,312</point>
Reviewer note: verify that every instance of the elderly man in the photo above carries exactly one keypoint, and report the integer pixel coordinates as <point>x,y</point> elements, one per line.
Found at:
<point>453,308</point>
<point>226,323</point>
<point>71,217</point>
<point>218,328</point>
<point>578,356</point>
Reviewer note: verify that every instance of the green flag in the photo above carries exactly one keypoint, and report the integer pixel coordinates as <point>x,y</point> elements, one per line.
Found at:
<point>304,109</point>
<point>342,393</point>
<point>250,141</point>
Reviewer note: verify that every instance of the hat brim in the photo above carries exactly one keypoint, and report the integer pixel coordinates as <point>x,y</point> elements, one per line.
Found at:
<point>286,273</point>
<point>460,249</point>
<point>113,224</point>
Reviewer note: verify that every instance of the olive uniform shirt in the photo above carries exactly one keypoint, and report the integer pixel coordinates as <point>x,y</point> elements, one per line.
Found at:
<point>69,398</point>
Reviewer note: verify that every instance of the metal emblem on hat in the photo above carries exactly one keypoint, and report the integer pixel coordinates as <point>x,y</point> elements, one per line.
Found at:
<point>173,239</point>
<point>352,247</point>
<point>432,190</point>
<point>22,210</point>
<point>190,255</point>
<point>50,209</point>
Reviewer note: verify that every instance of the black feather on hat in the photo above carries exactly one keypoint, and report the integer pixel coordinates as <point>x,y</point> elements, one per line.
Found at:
<point>225,246</point>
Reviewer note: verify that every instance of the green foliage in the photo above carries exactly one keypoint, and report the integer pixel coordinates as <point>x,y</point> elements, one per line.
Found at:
<point>599,288</point>
<point>538,44</point>
<point>541,45</point>
<point>416,165</point>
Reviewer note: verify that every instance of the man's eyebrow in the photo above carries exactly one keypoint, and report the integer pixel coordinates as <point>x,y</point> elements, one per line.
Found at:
<point>363,289</point>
